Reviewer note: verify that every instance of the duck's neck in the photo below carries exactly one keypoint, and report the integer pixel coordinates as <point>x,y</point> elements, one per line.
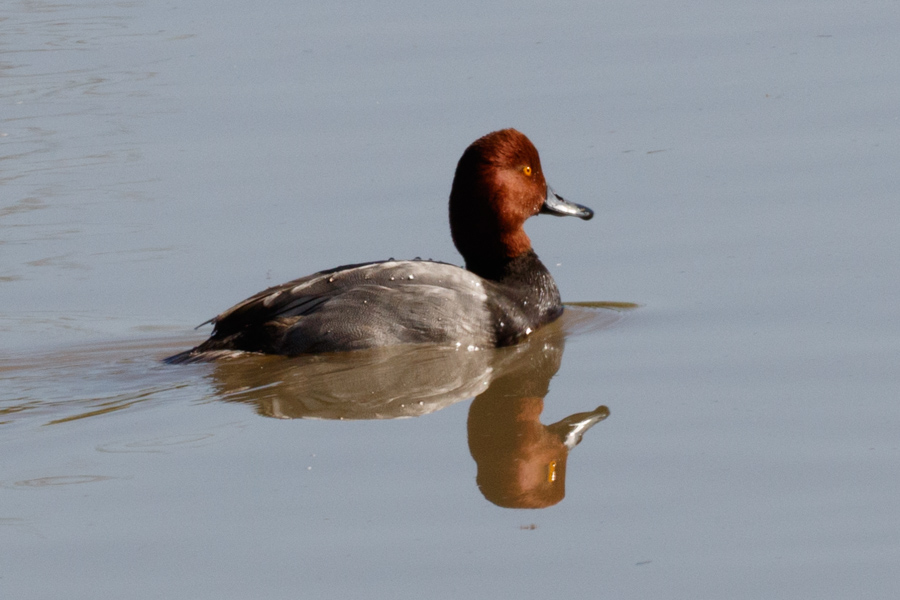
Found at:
<point>495,265</point>
<point>524,268</point>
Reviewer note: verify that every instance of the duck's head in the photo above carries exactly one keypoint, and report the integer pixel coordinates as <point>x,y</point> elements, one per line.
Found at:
<point>499,184</point>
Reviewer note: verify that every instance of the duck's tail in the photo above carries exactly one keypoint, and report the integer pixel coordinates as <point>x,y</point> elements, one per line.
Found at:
<point>203,353</point>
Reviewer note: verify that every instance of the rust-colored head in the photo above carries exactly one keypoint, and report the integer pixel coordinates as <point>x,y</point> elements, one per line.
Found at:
<point>499,183</point>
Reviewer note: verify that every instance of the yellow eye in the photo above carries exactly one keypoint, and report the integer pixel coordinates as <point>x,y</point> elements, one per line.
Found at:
<point>527,171</point>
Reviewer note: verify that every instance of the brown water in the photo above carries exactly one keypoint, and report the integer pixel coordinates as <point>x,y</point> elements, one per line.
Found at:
<point>160,162</point>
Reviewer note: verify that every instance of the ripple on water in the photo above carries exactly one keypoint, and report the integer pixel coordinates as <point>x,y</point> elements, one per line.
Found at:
<point>61,480</point>
<point>72,383</point>
<point>160,444</point>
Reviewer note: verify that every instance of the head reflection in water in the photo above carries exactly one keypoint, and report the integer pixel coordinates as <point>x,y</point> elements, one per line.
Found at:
<point>521,462</point>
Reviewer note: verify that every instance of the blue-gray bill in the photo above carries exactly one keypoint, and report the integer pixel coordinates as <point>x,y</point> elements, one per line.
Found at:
<point>560,207</point>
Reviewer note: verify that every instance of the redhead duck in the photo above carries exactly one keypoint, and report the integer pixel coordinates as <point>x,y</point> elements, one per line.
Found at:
<point>502,295</point>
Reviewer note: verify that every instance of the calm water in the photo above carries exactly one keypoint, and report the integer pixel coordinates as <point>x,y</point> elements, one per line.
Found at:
<point>159,162</point>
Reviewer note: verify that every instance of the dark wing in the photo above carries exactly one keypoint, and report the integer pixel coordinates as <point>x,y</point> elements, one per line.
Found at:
<point>292,299</point>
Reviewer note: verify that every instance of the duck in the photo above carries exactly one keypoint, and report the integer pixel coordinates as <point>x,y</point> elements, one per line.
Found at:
<point>502,295</point>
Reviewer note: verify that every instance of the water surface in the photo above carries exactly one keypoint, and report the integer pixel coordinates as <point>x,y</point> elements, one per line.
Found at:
<point>159,163</point>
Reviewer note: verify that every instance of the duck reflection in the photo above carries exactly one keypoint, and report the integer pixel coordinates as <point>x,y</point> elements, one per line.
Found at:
<point>383,383</point>
<point>521,462</point>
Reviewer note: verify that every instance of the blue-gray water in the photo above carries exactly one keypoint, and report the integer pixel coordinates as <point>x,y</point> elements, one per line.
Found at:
<point>160,162</point>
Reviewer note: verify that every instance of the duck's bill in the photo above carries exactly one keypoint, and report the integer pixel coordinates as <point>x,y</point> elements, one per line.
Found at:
<point>559,206</point>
